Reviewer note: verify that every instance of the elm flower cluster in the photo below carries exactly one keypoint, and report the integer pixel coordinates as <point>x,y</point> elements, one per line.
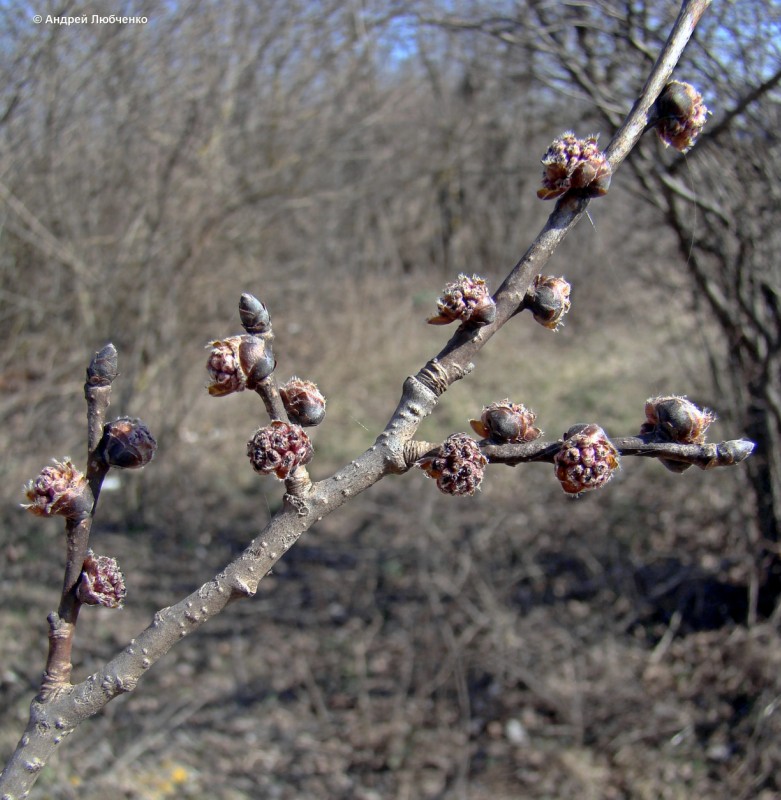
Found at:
<point>574,165</point>
<point>457,466</point>
<point>467,300</point>
<point>586,460</point>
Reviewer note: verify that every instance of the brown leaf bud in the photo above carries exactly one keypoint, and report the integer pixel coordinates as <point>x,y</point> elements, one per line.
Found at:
<point>303,401</point>
<point>102,370</point>
<point>550,301</point>
<point>680,115</point>
<point>101,582</point>
<point>278,449</point>
<point>128,443</point>
<point>506,422</point>
<point>467,300</point>
<point>457,466</point>
<point>254,315</point>
<point>60,490</point>
<point>574,165</point>
<point>586,460</point>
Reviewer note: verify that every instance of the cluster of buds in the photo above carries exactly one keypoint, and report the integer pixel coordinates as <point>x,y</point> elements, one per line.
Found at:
<point>238,363</point>
<point>505,422</point>
<point>574,165</point>
<point>60,490</point>
<point>466,300</point>
<point>675,419</point>
<point>586,460</point>
<point>457,466</point>
<point>128,444</point>
<point>303,401</point>
<point>101,582</point>
<point>278,449</point>
<point>549,301</point>
<point>679,115</point>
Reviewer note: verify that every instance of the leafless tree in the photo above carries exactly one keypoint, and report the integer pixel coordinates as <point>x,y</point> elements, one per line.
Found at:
<point>718,202</point>
<point>197,147</point>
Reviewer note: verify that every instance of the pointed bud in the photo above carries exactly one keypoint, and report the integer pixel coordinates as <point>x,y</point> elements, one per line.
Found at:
<point>60,490</point>
<point>102,370</point>
<point>128,443</point>
<point>550,301</point>
<point>254,315</point>
<point>278,449</point>
<point>586,460</point>
<point>574,165</point>
<point>303,401</point>
<point>457,466</point>
<point>468,300</point>
<point>101,582</point>
<point>680,115</point>
<point>506,422</point>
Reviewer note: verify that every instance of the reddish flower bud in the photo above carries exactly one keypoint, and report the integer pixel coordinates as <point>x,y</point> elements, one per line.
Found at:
<point>676,419</point>
<point>506,422</point>
<point>101,582</point>
<point>128,443</point>
<point>238,363</point>
<point>60,490</point>
<point>224,368</point>
<point>279,449</point>
<point>586,460</point>
<point>550,301</point>
<point>457,466</point>
<point>680,115</point>
<point>303,401</point>
<point>467,300</point>
<point>256,359</point>
<point>575,165</point>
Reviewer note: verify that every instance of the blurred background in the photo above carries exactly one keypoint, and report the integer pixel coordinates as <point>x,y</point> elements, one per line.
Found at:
<point>343,161</point>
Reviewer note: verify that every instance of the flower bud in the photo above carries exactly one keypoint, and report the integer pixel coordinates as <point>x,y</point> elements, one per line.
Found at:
<point>680,115</point>
<point>586,459</point>
<point>303,401</point>
<point>60,490</point>
<point>457,466</point>
<point>254,315</point>
<point>550,301</point>
<point>224,368</point>
<point>575,165</point>
<point>256,359</point>
<point>506,422</point>
<point>128,443</point>
<point>279,449</point>
<point>238,363</point>
<point>467,300</point>
<point>101,582</point>
<point>676,419</point>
